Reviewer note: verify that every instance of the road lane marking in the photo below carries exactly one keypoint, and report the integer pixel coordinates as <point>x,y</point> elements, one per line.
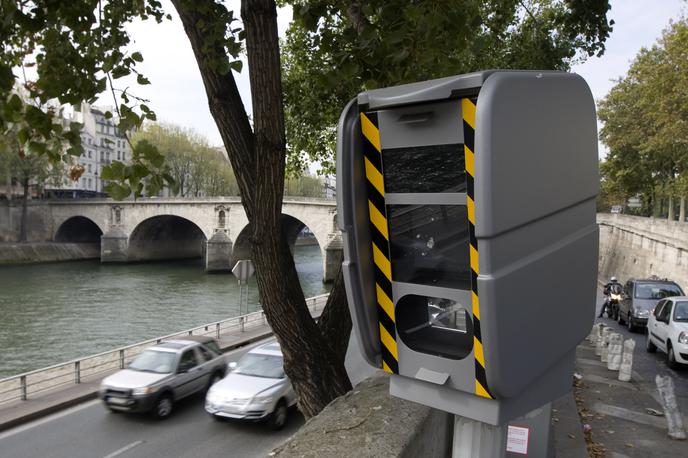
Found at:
<point>49,418</point>
<point>123,449</point>
<point>629,415</point>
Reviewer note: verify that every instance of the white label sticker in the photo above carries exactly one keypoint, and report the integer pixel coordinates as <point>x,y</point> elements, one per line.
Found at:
<point>517,440</point>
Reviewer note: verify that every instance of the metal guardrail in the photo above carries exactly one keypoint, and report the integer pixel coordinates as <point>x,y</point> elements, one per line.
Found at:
<point>30,383</point>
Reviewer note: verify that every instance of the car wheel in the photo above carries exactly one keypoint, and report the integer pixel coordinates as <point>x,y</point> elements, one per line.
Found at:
<point>216,377</point>
<point>629,323</point>
<point>279,416</point>
<point>671,359</point>
<point>649,345</point>
<point>163,407</point>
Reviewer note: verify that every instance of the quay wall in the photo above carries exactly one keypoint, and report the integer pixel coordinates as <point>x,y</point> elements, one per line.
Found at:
<point>634,247</point>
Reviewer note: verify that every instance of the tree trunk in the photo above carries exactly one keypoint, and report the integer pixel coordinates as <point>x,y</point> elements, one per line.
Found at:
<point>335,320</point>
<point>670,209</point>
<point>682,210</point>
<point>23,231</point>
<point>258,160</point>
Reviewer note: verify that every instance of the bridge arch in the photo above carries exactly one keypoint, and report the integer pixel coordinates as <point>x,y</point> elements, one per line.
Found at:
<point>291,227</point>
<point>78,229</point>
<point>166,237</point>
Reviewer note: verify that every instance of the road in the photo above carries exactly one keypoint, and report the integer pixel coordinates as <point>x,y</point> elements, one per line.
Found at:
<point>90,431</point>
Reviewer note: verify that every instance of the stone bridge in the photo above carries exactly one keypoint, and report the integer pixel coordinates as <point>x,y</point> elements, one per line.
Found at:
<point>213,228</point>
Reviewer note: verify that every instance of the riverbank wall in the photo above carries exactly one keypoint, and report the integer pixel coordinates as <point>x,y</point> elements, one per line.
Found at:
<point>36,252</point>
<point>637,247</point>
<point>38,221</point>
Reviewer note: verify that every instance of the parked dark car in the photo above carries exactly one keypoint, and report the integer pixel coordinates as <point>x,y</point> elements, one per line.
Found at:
<point>640,297</point>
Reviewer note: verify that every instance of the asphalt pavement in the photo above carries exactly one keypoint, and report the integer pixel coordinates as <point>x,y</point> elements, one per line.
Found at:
<point>89,430</point>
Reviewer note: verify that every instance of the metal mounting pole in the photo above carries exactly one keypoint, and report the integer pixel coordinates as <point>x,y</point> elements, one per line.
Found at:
<point>473,438</point>
<point>529,435</point>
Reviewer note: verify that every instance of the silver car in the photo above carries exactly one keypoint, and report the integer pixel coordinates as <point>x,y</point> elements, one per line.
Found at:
<point>164,374</point>
<point>256,389</point>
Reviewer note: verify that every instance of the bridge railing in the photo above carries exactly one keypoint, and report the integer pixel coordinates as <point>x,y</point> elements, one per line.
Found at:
<point>27,384</point>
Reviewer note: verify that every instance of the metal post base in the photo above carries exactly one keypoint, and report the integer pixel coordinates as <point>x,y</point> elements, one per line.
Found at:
<point>529,435</point>
<point>473,438</point>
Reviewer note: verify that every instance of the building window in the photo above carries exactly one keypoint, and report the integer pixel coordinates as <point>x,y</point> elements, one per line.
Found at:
<point>124,156</point>
<point>89,152</point>
<point>89,168</point>
<point>89,183</point>
<point>118,155</point>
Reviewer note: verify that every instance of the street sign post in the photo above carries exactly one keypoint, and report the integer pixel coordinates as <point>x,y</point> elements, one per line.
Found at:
<point>467,208</point>
<point>243,270</point>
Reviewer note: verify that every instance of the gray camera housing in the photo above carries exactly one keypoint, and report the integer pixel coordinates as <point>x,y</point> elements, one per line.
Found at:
<point>529,191</point>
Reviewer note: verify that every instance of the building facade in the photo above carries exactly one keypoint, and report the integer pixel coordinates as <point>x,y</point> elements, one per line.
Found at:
<point>103,143</point>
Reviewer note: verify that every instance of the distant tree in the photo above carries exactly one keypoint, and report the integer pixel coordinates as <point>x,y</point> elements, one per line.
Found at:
<point>31,171</point>
<point>197,168</point>
<point>336,49</point>
<point>645,124</point>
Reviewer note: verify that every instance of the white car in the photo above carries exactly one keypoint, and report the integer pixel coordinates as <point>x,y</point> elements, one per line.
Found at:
<point>256,389</point>
<point>667,329</point>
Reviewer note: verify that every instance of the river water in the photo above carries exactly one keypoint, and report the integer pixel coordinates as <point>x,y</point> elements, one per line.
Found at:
<point>51,313</point>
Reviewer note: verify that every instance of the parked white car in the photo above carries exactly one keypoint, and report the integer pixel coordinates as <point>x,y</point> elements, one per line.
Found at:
<point>256,389</point>
<point>667,329</point>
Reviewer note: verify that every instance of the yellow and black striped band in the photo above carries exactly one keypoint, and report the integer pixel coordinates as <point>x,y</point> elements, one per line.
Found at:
<point>379,234</point>
<point>468,114</point>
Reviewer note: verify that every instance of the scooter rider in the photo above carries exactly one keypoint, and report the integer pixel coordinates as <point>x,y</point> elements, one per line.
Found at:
<point>607,291</point>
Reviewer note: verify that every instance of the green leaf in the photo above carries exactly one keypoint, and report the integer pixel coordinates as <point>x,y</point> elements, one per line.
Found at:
<point>137,56</point>
<point>237,65</point>
<point>142,80</point>
<point>119,72</point>
<point>117,191</point>
<point>6,78</point>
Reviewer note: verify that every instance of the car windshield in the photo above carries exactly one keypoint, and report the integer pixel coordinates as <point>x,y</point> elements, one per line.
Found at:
<point>213,346</point>
<point>681,311</point>
<point>656,290</point>
<point>161,362</point>
<point>259,365</point>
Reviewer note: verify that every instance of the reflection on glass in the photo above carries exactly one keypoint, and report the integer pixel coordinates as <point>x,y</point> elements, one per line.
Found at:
<point>444,313</point>
<point>656,290</point>
<point>429,245</point>
<point>438,168</point>
<point>436,326</point>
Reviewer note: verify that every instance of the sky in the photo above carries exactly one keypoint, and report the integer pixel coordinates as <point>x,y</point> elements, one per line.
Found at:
<point>177,95</point>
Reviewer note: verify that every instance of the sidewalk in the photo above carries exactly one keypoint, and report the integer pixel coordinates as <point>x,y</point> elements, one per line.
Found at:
<point>16,413</point>
<point>615,413</point>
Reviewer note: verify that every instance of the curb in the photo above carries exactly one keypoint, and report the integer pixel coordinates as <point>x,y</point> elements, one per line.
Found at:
<point>44,412</point>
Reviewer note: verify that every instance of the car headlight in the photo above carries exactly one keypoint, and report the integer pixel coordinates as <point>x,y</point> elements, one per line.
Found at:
<point>144,390</point>
<point>641,313</point>
<point>263,399</point>
<point>683,338</point>
<point>616,297</point>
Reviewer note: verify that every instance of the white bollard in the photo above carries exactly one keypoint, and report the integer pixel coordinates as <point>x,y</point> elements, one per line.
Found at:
<point>627,361</point>
<point>665,385</point>
<point>598,342</point>
<point>615,352</point>
<point>591,336</point>
<point>604,353</point>
<point>595,333</point>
